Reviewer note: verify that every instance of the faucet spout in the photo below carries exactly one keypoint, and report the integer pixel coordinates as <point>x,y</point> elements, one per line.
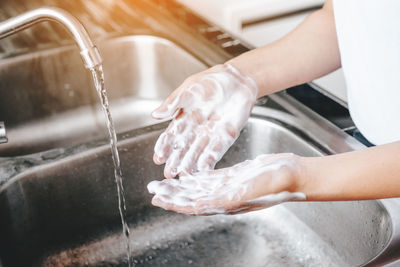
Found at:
<point>89,53</point>
<point>3,136</point>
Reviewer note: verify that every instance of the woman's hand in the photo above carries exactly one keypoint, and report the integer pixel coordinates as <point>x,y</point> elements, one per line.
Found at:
<point>251,185</point>
<point>211,108</point>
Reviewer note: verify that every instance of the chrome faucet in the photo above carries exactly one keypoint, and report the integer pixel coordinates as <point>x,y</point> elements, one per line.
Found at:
<point>89,52</point>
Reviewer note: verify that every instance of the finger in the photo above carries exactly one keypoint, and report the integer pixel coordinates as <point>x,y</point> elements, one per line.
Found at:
<point>168,107</point>
<point>170,169</point>
<point>165,202</point>
<point>171,172</point>
<point>180,197</point>
<point>214,152</point>
<point>176,202</point>
<point>231,130</point>
<point>206,207</point>
<point>162,188</point>
<point>152,186</point>
<point>157,160</point>
<point>188,163</point>
<point>162,148</point>
<point>243,209</point>
<point>210,175</point>
<point>180,148</point>
<point>171,166</point>
<point>206,162</point>
<point>178,99</point>
<point>190,208</point>
<point>188,180</point>
<point>238,167</point>
<point>209,158</point>
<point>200,184</point>
<point>164,144</point>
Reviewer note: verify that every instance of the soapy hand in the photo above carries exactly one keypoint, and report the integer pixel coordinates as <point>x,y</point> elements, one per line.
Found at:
<point>209,110</point>
<point>251,185</point>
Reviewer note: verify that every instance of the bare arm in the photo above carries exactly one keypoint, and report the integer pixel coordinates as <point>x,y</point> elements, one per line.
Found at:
<point>308,52</point>
<point>268,180</point>
<point>365,174</point>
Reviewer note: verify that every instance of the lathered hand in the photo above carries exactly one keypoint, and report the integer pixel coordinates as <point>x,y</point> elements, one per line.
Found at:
<point>251,185</point>
<point>210,108</point>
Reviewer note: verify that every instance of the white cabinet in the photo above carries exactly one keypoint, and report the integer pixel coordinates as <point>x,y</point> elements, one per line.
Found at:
<point>265,32</point>
<point>232,14</point>
<point>260,22</point>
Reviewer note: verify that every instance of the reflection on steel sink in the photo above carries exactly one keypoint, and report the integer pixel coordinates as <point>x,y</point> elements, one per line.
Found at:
<point>64,214</point>
<point>59,207</point>
<point>47,99</point>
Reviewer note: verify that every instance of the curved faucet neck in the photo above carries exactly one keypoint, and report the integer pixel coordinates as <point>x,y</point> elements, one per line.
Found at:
<point>88,51</point>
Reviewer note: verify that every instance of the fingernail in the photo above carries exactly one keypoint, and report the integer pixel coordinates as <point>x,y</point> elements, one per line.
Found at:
<point>151,187</point>
<point>156,114</point>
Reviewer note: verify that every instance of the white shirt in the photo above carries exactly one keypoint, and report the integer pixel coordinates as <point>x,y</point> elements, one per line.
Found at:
<point>369,40</point>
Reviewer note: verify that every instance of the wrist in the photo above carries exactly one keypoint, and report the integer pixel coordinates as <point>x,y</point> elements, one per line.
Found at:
<point>283,177</point>
<point>246,68</point>
<point>288,174</point>
<point>308,180</point>
<point>243,78</point>
<point>299,178</point>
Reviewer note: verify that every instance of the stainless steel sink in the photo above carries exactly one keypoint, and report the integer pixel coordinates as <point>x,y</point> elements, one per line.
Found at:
<point>58,206</point>
<point>47,99</point>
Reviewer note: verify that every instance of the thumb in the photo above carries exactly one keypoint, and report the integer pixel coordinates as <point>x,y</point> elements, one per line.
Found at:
<point>168,107</point>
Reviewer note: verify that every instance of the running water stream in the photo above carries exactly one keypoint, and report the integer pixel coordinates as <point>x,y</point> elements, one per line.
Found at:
<point>98,78</point>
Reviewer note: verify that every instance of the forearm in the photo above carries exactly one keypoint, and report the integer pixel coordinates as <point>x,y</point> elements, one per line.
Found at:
<point>308,52</point>
<point>371,173</point>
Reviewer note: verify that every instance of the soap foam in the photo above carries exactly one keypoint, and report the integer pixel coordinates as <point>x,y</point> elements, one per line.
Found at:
<point>225,191</point>
<point>215,109</point>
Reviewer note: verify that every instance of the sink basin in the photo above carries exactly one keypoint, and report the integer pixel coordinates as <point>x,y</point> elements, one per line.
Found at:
<point>47,98</point>
<point>65,214</point>
<point>58,205</point>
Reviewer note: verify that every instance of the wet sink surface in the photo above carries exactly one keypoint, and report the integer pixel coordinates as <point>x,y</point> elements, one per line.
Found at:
<point>65,214</point>
<point>60,208</point>
<point>47,99</point>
